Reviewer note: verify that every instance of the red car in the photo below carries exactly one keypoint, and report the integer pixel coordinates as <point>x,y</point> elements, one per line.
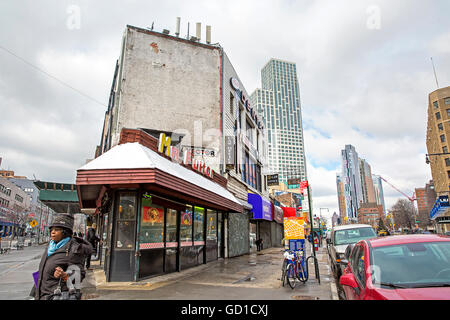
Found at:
<point>409,267</point>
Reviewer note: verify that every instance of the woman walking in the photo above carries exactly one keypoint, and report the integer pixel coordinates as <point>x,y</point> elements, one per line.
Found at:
<point>63,251</point>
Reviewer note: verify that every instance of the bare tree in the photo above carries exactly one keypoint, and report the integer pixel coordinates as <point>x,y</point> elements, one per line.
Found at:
<point>404,213</point>
<point>19,217</point>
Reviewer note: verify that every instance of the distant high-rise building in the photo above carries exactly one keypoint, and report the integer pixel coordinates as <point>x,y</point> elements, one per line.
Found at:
<point>379,194</point>
<point>351,178</point>
<point>366,182</point>
<point>438,135</point>
<point>279,103</point>
<point>341,198</point>
<point>426,197</point>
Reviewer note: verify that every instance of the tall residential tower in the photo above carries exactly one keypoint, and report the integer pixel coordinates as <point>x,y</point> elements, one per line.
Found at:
<point>279,103</point>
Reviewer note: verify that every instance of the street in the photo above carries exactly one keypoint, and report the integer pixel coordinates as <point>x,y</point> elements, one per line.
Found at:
<point>250,277</point>
<point>16,268</point>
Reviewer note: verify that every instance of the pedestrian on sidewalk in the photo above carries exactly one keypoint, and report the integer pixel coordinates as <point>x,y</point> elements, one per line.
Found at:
<point>259,244</point>
<point>62,251</point>
<point>93,239</point>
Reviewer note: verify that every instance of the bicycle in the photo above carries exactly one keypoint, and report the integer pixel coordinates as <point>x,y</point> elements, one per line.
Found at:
<point>295,269</point>
<point>284,267</point>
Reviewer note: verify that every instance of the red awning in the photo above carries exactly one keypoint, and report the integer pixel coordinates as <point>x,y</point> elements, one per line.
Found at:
<point>289,212</point>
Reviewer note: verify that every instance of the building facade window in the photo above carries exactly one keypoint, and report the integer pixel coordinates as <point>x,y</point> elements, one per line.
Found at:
<point>126,221</point>
<point>447,162</point>
<point>186,225</point>
<point>442,138</point>
<point>444,149</point>
<point>448,112</point>
<point>438,116</point>
<point>447,101</point>
<point>199,219</point>
<point>436,105</point>
<point>440,126</point>
<point>152,223</point>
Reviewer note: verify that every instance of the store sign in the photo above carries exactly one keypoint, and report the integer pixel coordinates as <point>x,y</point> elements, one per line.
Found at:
<point>197,151</point>
<point>296,181</point>
<point>262,208</point>
<point>277,214</point>
<point>304,184</point>
<point>246,103</point>
<point>164,147</point>
<point>235,83</point>
<point>229,151</point>
<point>294,228</point>
<point>273,180</point>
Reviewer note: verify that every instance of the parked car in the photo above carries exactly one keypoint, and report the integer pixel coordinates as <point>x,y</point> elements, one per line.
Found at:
<point>340,238</point>
<point>406,267</point>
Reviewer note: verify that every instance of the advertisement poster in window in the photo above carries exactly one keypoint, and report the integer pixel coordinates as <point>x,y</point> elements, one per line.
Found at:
<point>152,215</point>
<point>186,218</point>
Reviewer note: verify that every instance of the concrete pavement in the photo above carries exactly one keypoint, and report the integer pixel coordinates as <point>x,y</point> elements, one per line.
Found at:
<point>16,268</point>
<point>254,276</point>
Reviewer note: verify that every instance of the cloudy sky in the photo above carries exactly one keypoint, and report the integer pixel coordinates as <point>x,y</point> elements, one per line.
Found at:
<point>364,70</point>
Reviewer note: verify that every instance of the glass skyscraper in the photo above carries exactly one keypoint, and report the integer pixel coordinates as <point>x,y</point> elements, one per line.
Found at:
<point>279,103</point>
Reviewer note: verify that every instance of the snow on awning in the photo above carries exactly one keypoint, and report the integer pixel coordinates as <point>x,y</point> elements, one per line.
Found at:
<point>136,156</point>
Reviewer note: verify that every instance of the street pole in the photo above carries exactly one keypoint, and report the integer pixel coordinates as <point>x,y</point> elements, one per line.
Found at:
<point>39,228</point>
<point>316,266</point>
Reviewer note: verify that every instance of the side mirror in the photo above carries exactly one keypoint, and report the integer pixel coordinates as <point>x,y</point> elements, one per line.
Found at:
<point>348,251</point>
<point>348,280</point>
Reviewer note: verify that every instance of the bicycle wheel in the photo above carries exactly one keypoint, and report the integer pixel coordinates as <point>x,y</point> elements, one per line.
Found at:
<point>283,272</point>
<point>302,275</point>
<point>291,275</point>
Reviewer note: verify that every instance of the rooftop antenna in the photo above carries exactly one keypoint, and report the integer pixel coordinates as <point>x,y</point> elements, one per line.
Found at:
<point>177,32</point>
<point>199,31</point>
<point>208,34</point>
<point>435,76</point>
<point>187,37</point>
<point>152,25</point>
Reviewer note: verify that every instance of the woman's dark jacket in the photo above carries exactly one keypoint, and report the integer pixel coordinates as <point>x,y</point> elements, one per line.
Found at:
<point>73,253</point>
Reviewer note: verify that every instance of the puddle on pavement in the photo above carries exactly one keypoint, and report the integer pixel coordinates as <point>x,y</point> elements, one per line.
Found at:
<point>248,278</point>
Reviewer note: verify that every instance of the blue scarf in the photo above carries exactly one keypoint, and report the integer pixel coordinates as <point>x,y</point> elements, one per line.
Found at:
<point>53,246</point>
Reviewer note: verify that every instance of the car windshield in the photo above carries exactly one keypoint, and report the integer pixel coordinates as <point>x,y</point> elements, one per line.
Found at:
<point>349,236</point>
<point>412,265</point>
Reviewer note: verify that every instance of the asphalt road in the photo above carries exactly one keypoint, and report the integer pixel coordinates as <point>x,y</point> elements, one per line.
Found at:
<point>16,268</point>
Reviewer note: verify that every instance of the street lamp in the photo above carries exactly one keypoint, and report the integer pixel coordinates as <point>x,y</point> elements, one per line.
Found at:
<point>427,156</point>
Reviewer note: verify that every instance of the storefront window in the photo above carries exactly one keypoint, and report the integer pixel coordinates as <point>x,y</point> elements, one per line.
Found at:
<point>199,219</point>
<point>151,234</point>
<point>127,207</point>
<point>171,228</point>
<point>211,225</point>
<point>186,226</point>
<point>126,221</point>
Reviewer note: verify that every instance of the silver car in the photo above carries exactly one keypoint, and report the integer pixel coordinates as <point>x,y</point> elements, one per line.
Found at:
<point>338,240</point>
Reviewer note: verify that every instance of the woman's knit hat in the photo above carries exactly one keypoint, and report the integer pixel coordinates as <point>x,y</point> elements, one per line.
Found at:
<point>63,220</point>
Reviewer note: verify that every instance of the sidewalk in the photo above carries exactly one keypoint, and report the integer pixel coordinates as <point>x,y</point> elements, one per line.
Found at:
<point>252,276</point>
